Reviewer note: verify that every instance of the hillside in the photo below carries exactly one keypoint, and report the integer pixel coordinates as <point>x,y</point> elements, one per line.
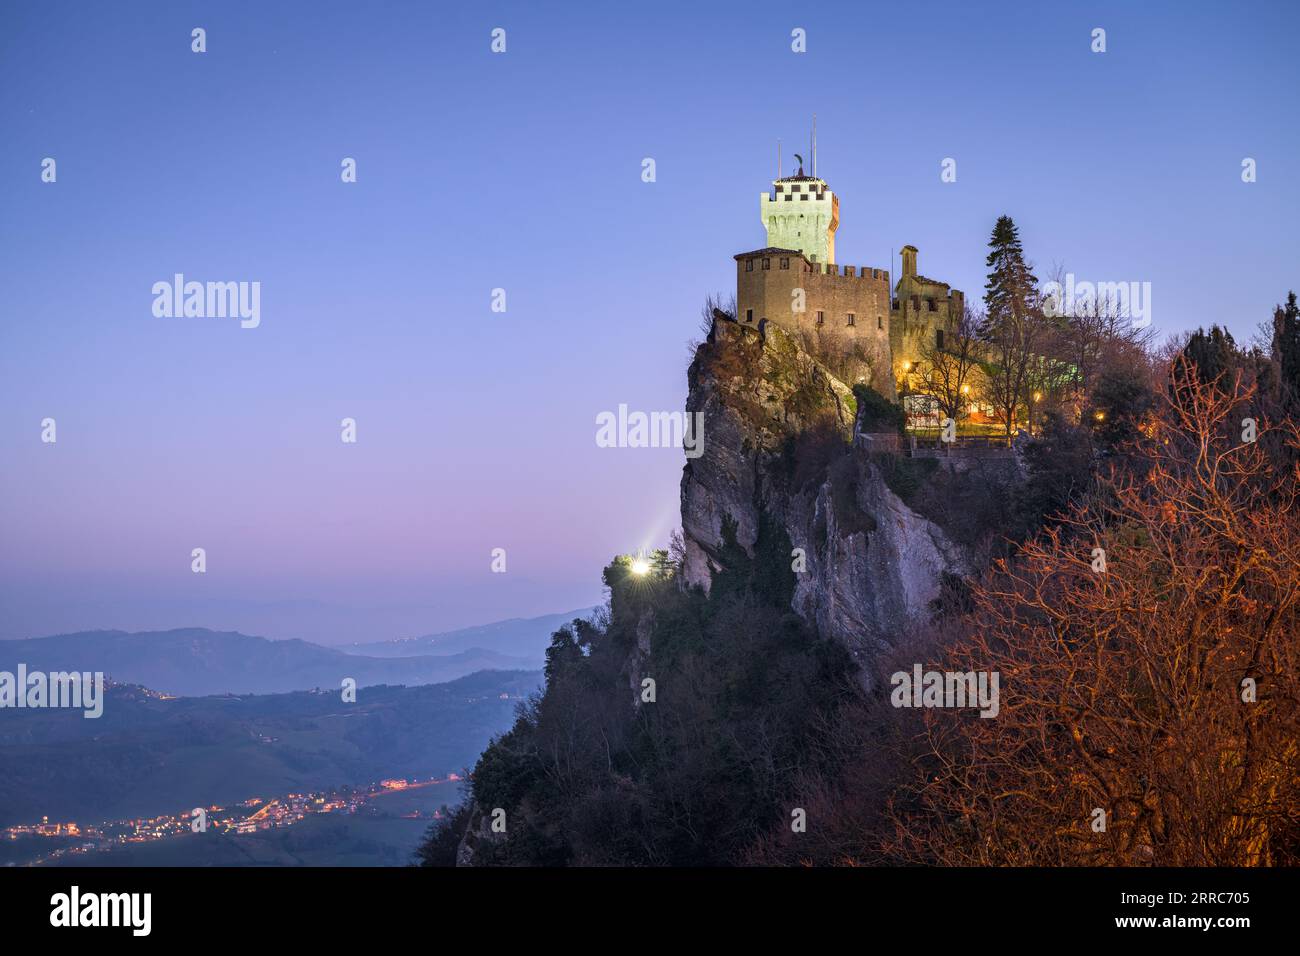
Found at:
<point>1125,580</point>
<point>147,755</point>
<point>749,657</point>
<point>780,454</point>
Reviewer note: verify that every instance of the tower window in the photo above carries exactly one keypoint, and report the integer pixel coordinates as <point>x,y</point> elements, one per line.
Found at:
<point>785,262</point>
<point>853,319</point>
<point>938,338</point>
<point>821,317</point>
<point>767,263</point>
<point>930,304</point>
<point>749,315</point>
<point>804,196</point>
<point>749,265</point>
<point>880,321</point>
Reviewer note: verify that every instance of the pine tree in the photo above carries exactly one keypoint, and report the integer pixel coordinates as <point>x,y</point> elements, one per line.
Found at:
<point>1286,349</point>
<point>1011,330</point>
<point>1213,353</point>
<point>1012,287</point>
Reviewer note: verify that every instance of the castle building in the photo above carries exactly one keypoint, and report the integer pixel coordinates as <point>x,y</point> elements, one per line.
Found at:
<point>847,315</point>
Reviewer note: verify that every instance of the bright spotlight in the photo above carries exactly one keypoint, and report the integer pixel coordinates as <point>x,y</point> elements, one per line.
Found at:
<point>640,566</point>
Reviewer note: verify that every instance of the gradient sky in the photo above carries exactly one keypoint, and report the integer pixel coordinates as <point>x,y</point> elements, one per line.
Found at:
<point>522,171</point>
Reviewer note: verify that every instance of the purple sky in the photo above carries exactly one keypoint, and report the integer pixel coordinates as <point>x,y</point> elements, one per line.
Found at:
<point>522,171</point>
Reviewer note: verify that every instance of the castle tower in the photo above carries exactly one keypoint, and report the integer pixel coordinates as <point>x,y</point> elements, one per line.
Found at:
<point>801,213</point>
<point>909,262</point>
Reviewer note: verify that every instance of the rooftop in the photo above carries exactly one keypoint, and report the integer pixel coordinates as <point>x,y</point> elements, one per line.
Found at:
<point>769,251</point>
<point>925,280</point>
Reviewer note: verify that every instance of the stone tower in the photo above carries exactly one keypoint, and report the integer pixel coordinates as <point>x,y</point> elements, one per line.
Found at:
<point>801,213</point>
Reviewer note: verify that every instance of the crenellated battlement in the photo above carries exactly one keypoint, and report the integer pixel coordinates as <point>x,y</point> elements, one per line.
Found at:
<point>801,213</point>
<point>848,272</point>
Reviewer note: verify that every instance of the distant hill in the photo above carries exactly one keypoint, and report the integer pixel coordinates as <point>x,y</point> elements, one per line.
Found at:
<point>195,661</point>
<point>147,755</point>
<point>520,637</point>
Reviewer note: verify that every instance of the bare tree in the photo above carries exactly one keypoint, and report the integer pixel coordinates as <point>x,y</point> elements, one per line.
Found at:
<point>1092,333</point>
<point>948,373</point>
<point>1010,344</point>
<point>1149,653</point>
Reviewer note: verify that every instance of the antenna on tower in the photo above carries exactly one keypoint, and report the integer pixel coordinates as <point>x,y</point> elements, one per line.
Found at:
<point>814,151</point>
<point>778,159</point>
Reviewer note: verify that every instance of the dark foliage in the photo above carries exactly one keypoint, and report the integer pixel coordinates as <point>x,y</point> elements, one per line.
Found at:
<point>877,413</point>
<point>1060,466</point>
<point>1120,401</point>
<point>594,774</point>
<point>443,837</point>
<point>1209,357</point>
<point>1286,351</point>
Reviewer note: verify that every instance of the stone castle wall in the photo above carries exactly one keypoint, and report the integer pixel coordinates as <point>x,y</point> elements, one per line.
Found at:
<point>914,324</point>
<point>833,297</point>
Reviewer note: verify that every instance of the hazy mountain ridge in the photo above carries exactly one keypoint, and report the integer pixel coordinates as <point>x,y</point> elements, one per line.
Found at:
<point>195,662</point>
<point>518,636</point>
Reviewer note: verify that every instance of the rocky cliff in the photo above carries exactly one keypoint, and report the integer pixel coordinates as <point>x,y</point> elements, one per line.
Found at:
<point>777,454</point>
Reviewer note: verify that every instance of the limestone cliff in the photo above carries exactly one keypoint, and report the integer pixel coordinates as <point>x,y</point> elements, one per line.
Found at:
<point>777,425</point>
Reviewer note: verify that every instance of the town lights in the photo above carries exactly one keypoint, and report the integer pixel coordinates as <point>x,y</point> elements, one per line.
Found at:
<point>965,389</point>
<point>1038,396</point>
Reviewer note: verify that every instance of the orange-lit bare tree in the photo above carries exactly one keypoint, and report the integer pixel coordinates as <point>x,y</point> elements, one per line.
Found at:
<point>1149,656</point>
<point>948,372</point>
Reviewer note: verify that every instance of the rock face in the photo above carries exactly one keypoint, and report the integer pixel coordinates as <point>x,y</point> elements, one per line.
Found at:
<point>478,835</point>
<point>776,426</point>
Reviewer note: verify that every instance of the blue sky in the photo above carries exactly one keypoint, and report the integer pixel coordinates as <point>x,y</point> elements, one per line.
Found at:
<point>522,171</point>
